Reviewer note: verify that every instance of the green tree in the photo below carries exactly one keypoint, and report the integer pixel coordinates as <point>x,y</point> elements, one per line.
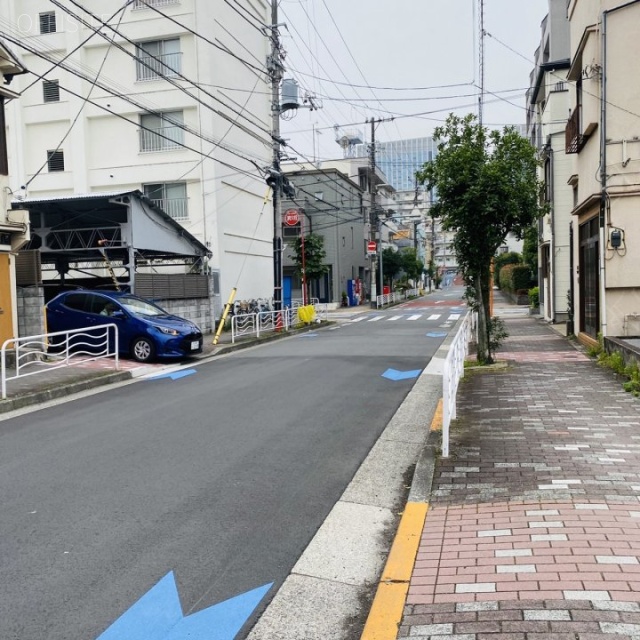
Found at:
<point>411,265</point>
<point>487,187</point>
<point>314,256</point>
<point>392,265</point>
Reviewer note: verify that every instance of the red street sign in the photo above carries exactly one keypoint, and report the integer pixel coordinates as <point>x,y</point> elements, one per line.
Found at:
<point>371,246</point>
<point>291,217</point>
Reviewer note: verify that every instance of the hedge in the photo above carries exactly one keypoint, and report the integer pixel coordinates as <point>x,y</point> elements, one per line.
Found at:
<point>515,278</point>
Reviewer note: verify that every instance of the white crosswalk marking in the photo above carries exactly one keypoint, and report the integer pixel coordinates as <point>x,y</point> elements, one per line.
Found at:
<point>360,319</point>
<point>454,316</point>
<point>416,317</point>
<point>395,318</point>
<point>375,318</point>
<point>433,316</point>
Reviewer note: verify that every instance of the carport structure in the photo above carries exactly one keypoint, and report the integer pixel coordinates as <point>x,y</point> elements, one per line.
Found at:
<point>78,236</point>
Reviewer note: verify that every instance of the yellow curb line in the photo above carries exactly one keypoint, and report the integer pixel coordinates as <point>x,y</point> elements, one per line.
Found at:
<point>436,423</point>
<point>386,612</point>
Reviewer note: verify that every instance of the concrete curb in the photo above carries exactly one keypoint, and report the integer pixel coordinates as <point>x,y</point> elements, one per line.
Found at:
<point>55,392</point>
<point>386,611</point>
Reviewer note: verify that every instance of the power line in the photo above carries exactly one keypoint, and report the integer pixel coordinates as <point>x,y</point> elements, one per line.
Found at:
<point>68,55</point>
<point>199,35</point>
<point>155,69</point>
<point>260,28</point>
<point>155,132</point>
<point>353,57</point>
<point>314,57</point>
<point>84,102</point>
<point>377,88</point>
<point>21,43</point>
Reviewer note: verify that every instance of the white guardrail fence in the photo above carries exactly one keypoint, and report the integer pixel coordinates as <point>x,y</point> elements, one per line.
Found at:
<point>396,296</point>
<point>453,372</point>
<point>36,354</point>
<point>257,324</point>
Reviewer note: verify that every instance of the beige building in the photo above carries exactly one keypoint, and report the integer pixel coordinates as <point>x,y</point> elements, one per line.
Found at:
<point>603,132</point>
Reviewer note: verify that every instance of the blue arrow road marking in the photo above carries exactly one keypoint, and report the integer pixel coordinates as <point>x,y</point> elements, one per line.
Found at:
<point>158,616</point>
<point>434,334</point>
<point>174,375</point>
<point>394,374</point>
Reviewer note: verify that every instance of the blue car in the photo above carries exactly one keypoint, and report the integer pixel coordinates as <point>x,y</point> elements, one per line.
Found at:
<point>145,331</point>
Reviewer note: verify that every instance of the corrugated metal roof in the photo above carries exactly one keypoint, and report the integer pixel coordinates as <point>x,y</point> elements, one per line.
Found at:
<point>74,196</point>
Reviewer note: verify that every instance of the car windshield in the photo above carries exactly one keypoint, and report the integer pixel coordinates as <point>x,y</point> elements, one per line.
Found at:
<point>141,307</point>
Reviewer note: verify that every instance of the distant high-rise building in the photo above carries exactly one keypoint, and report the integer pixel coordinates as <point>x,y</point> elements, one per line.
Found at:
<point>400,159</point>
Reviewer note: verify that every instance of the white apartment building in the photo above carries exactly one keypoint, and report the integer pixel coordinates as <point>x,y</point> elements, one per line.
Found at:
<point>173,102</point>
<point>548,105</point>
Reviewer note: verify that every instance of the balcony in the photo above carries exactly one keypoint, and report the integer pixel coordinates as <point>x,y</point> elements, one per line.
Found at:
<point>575,138</point>
<point>168,65</point>
<point>144,4</point>
<point>175,207</point>
<point>161,139</point>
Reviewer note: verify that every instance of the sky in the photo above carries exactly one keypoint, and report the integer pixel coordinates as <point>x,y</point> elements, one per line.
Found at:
<point>390,46</point>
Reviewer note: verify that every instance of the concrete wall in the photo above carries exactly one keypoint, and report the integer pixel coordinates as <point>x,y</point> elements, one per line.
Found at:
<point>197,310</point>
<point>30,302</point>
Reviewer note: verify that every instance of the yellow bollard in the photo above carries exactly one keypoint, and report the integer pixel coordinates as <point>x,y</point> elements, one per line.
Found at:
<point>225,313</point>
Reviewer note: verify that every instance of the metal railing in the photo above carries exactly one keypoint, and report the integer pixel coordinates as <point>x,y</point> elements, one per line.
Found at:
<point>175,207</point>
<point>161,139</point>
<point>453,372</point>
<point>142,4</point>
<point>396,296</point>
<point>257,324</point>
<point>167,65</point>
<point>49,351</point>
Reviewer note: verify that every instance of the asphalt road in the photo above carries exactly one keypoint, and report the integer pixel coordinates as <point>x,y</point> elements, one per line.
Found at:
<point>222,476</point>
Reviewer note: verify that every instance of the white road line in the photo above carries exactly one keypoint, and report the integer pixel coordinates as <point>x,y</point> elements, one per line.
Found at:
<point>395,318</point>
<point>375,318</point>
<point>358,319</point>
<point>416,317</point>
<point>434,316</point>
<point>454,316</point>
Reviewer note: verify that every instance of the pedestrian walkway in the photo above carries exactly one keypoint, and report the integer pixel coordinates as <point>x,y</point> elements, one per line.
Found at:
<point>533,526</point>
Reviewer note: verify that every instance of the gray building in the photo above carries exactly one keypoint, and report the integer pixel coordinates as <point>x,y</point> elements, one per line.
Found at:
<point>331,205</point>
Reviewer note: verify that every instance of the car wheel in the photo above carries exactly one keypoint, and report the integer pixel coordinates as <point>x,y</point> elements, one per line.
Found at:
<point>142,350</point>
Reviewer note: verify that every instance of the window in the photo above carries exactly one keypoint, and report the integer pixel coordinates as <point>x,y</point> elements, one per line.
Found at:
<point>51,91</point>
<point>142,4</point>
<point>171,197</point>
<point>158,58</point>
<point>48,22</point>
<point>162,131</point>
<point>55,160</point>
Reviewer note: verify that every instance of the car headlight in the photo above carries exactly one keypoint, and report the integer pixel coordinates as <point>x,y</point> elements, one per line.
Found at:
<point>169,332</point>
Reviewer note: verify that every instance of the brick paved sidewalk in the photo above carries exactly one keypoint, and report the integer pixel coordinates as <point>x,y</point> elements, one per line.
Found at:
<point>533,529</point>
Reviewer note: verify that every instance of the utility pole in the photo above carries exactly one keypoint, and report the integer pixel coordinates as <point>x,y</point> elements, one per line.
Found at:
<point>276,71</point>
<point>481,64</point>
<point>373,213</point>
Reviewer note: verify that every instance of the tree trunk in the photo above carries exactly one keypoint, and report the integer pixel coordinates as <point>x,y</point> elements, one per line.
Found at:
<point>483,356</point>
